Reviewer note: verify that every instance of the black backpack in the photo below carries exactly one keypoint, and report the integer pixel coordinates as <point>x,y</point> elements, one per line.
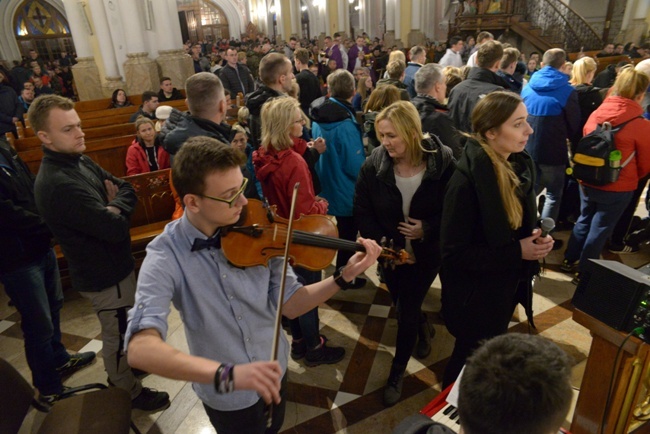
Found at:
<point>596,160</point>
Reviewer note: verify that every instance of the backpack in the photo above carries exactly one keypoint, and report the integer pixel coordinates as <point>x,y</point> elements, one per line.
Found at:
<point>596,160</point>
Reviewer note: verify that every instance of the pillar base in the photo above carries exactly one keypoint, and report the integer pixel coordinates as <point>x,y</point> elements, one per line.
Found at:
<point>416,37</point>
<point>111,84</point>
<point>389,38</point>
<point>175,64</point>
<point>86,77</point>
<point>140,73</point>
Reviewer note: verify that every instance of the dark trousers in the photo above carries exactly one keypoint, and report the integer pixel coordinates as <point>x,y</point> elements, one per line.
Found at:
<point>35,289</point>
<point>408,285</point>
<point>306,325</point>
<point>623,225</point>
<point>347,231</point>
<point>251,420</point>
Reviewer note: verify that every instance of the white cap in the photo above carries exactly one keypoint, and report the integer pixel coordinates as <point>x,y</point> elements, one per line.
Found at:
<point>163,112</point>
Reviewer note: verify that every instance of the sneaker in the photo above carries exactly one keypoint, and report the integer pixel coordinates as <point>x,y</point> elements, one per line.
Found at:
<point>393,389</point>
<point>568,266</point>
<point>299,347</point>
<point>576,279</point>
<point>44,402</point>
<point>324,355</point>
<point>151,400</point>
<point>623,249</point>
<point>76,362</point>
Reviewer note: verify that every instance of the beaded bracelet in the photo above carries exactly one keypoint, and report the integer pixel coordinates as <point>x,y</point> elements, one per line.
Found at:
<point>224,378</point>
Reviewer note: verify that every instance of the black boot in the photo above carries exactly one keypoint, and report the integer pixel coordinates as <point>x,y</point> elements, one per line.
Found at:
<point>393,390</point>
<point>426,332</point>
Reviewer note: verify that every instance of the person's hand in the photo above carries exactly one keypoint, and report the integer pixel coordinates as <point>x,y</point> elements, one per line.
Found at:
<point>262,377</point>
<point>318,144</point>
<point>360,261</point>
<point>534,251</point>
<point>111,190</point>
<point>321,199</point>
<point>411,230</point>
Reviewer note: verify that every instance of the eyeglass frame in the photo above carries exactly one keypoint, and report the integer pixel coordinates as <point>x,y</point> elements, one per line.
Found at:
<point>230,202</point>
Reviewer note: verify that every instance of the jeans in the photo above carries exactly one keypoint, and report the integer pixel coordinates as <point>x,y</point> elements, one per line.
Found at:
<point>35,289</point>
<point>551,178</point>
<point>599,212</point>
<point>306,325</point>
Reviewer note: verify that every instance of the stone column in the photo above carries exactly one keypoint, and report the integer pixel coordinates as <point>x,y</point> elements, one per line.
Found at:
<point>140,72</point>
<point>389,36</point>
<point>113,78</point>
<point>398,23</point>
<point>85,72</point>
<point>415,36</point>
<point>294,11</point>
<point>363,26</point>
<point>172,59</point>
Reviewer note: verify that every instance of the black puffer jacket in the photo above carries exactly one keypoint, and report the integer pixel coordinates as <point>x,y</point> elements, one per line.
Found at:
<point>436,120</point>
<point>254,102</point>
<point>233,81</point>
<point>24,237</point>
<point>181,126</point>
<point>378,201</point>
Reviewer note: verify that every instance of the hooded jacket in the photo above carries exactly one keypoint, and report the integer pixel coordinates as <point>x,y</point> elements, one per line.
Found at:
<point>10,108</point>
<point>338,167</point>
<point>278,172</point>
<point>435,120</point>
<point>181,126</point>
<point>254,103</point>
<point>483,275</point>
<point>553,114</point>
<point>378,201</point>
<point>137,161</point>
<point>463,97</point>
<point>634,137</point>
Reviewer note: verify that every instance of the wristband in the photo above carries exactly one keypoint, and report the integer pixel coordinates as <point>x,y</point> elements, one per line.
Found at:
<point>224,379</point>
<point>340,281</point>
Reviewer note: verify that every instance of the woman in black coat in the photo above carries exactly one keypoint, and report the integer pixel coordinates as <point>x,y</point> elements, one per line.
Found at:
<point>490,243</point>
<point>398,196</point>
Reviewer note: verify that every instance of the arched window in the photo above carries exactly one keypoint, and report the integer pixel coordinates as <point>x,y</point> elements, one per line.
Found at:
<point>39,26</point>
<point>202,21</point>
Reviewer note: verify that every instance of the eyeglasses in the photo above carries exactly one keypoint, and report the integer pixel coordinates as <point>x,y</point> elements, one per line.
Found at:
<point>299,121</point>
<point>233,199</point>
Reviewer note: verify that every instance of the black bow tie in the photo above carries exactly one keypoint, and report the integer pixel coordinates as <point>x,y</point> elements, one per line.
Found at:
<point>213,241</point>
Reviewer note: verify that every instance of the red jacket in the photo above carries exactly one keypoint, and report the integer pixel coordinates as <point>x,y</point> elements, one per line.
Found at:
<point>278,172</point>
<point>635,136</point>
<point>136,158</point>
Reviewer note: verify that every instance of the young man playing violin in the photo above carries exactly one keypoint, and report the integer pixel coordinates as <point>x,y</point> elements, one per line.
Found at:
<point>228,312</point>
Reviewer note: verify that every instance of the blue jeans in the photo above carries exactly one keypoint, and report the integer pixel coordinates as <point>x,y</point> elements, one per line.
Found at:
<point>599,212</point>
<point>306,325</point>
<point>551,178</point>
<point>35,289</point>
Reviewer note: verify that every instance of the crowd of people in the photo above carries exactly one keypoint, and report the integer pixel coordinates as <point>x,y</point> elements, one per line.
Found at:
<point>441,154</point>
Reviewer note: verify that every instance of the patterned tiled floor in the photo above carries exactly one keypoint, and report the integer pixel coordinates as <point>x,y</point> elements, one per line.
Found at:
<point>340,398</point>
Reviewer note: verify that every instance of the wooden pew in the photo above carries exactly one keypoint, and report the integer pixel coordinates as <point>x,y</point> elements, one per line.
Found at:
<point>91,134</point>
<point>105,103</point>
<point>109,153</point>
<point>179,104</point>
<point>153,211</point>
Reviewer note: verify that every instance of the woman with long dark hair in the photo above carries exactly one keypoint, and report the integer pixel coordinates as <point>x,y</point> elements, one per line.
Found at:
<point>490,243</point>
<point>119,99</point>
<point>398,196</point>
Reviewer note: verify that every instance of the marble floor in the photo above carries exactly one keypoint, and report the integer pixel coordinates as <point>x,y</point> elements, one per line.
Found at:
<point>340,398</point>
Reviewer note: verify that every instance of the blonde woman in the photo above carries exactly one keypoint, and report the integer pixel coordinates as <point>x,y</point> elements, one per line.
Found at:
<point>399,195</point>
<point>589,97</point>
<point>490,244</point>
<point>278,166</point>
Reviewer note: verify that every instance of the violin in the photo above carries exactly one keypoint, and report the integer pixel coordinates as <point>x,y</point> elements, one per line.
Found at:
<point>261,235</point>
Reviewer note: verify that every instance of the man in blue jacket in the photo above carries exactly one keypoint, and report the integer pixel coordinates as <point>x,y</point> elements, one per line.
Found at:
<point>554,115</point>
<point>338,167</point>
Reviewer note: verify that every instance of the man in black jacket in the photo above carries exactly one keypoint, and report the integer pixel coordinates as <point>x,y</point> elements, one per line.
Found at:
<point>88,211</point>
<point>307,81</point>
<point>235,76</point>
<point>431,87</point>
<point>167,91</point>
<point>30,275</point>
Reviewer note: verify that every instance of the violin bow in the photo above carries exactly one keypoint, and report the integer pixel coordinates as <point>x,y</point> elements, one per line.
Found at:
<point>283,281</point>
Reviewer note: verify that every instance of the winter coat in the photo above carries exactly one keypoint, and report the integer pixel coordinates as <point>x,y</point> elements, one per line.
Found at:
<point>589,99</point>
<point>137,161</point>
<point>181,126</point>
<point>338,167</point>
<point>234,79</point>
<point>435,120</point>
<point>553,114</point>
<point>10,108</point>
<point>176,95</point>
<point>409,77</point>
<point>404,94</point>
<point>254,102</point>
